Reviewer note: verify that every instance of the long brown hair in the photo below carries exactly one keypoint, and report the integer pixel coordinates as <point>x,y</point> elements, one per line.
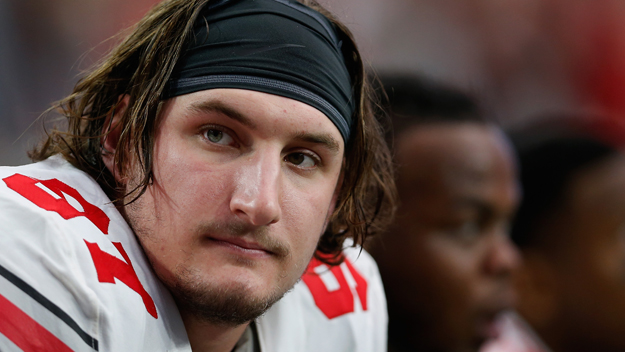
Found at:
<point>140,67</point>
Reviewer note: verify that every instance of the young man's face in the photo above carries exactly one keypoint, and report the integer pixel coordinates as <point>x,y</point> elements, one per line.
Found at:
<point>244,183</point>
<point>447,259</point>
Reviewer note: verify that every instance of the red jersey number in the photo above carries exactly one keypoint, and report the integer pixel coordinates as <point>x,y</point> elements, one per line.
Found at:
<point>110,268</point>
<point>330,289</point>
<point>54,195</point>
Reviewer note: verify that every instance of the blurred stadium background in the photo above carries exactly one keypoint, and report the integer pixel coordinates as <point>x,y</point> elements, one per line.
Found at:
<point>523,58</point>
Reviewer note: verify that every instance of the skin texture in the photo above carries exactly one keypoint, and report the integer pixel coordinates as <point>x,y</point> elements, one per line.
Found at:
<point>573,289</point>
<point>244,183</point>
<point>447,259</point>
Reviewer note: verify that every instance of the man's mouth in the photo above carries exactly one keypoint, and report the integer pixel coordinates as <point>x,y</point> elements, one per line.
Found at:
<point>242,245</point>
<point>243,239</point>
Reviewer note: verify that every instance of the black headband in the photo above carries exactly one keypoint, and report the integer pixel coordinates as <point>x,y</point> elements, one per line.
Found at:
<point>273,46</point>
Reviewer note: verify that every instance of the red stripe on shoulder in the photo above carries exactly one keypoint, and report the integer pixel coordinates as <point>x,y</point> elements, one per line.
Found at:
<point>25,332</point>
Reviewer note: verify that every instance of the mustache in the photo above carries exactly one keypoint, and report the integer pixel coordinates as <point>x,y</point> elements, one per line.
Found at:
<point>239,229</point>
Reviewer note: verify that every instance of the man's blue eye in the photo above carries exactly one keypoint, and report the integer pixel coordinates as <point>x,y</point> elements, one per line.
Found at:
<point>218,137</point>
<point>214,135</point>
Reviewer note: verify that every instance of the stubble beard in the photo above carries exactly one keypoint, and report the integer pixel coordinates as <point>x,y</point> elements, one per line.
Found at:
<point>233,303</point>
<point>228,305</point>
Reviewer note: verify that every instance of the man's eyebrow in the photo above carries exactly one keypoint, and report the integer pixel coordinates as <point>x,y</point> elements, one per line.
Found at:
<point>320,138</point>
<point>212,106</point>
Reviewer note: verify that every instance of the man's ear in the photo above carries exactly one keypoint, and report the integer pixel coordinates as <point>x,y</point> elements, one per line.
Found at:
<point>110,136</point>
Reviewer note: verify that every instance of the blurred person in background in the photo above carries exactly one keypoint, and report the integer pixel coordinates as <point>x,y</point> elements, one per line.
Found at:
<point>446,261</point>
<point>570,229</point>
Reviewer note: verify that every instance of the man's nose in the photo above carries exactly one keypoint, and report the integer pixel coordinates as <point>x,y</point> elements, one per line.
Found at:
<point>503,256</point>
<point>256,198</point>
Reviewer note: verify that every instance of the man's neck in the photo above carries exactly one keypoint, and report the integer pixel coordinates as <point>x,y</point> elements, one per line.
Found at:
<point>207,337</point>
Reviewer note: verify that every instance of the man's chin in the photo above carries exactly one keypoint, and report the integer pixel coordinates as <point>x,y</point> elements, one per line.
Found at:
<point>225,305</point>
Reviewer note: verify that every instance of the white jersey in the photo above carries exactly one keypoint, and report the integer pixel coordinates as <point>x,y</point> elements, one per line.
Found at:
<point>342,308</point>
<point>74,278</point>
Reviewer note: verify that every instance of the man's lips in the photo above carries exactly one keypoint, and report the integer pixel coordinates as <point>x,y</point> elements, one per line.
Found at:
<point>241,244</point>
<point>243,238</point>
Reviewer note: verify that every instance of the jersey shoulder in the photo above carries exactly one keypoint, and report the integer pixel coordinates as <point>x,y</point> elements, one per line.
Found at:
<point>71,272</point>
